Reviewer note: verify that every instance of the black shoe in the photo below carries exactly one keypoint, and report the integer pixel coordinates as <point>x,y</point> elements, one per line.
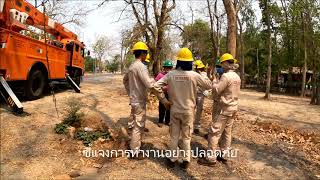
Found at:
<point>206,136</point>
<point>185,165</point>
<point>169,163</point>
<point>146,129</point>
<point>221,159</point>
<point>207,162</point>
<point>196,131</point>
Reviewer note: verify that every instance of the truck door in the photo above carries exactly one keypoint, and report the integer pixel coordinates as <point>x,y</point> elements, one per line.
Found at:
<point>70,47</point>
<point>77,55</point>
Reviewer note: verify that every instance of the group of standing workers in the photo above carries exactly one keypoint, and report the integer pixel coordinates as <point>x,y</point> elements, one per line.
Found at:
<point>180,91</point>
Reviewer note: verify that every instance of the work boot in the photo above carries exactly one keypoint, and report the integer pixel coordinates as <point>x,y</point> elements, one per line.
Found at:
<point>206,136</point>
<point>221,159</point>
<point>146,129</point>
<point>160,125</point>
<point>185,165</point>
<point>196,131</point>
<point>169,163</point>
<point>129,131</point>
<point>207,162</point>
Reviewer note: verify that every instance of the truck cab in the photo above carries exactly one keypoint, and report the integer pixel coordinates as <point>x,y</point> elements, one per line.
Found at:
<point>75,60</point>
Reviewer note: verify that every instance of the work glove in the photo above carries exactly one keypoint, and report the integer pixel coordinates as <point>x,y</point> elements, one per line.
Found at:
<point>208,94</point>
<point>167,104</point>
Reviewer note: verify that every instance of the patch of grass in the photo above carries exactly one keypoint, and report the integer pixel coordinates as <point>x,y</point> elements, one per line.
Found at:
<point>73,117</point>
<point>61,128</point>
<point>87,137</point>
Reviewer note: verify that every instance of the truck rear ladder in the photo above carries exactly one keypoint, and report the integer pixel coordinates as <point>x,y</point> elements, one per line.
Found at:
<point>73,84</point>
<point>10,98</point>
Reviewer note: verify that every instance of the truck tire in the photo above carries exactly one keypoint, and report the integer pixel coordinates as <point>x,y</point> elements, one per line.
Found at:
<point>35,84</point>
<point>77,77</point>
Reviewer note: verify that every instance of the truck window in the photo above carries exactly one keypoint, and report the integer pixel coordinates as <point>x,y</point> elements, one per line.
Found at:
<point>69,47</point>
<point>82,52</point>
<point>77,48</point>
<point>27,8</point>
<point>18,3</point>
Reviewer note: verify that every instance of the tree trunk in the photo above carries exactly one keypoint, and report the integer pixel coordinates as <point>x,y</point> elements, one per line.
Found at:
<point>232,27</point>
<point>304,70</point>
<point>258,69</point>
<point>212,38</point>
<point>267,95</point>
<point>121,57</point>
<point>242,73</point>
<point>315,97</point>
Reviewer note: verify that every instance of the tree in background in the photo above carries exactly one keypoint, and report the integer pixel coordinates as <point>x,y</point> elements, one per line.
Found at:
<point>65,11</point>
<point>153,18</point>
<point>89,63</point>
<point>231,10</point>
<point>100,48</point>
<point>246,20</point>
<point>215,20</point>
<point>267,20</point>
<point>196,36</point>
<point>113,66</point>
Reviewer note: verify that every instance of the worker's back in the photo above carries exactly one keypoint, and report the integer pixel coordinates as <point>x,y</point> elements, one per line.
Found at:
<point>183,89</point>
<point>229,96</point>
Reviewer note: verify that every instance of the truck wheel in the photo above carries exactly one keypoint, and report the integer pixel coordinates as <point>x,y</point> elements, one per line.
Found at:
<point>35,84</point>
<point>77,77</point>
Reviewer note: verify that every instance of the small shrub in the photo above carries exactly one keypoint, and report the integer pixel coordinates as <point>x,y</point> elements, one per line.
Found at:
<point>61,128</point>
<point>73,117</point>
<point>90,136</point>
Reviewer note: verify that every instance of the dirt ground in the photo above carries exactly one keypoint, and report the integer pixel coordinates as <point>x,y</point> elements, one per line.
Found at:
<point>277,139</point>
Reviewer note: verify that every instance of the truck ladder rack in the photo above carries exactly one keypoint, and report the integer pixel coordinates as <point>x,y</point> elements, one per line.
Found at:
<point>10,98</point>
<point>73,84</point>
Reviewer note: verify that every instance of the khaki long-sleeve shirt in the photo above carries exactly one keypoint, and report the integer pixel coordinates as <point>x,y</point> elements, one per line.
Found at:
<point>226,91</point>
<point>183,89</point>
<point>137,82</point>
<point>201,90</point>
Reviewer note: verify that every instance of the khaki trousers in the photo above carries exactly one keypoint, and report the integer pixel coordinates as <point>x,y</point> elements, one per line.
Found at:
<point>181,124</point>
<point>220,132</point>
<point>138,115</point>
<point>130,121</point>
<point>200,101</point>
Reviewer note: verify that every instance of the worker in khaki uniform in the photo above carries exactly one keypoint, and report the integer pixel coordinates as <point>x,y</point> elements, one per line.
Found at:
<point>130,121</point>
<point>137,82</point>
<point>183,83</point>
<point>200,68</point>
<point>227,90</point>
<point>216,109</point>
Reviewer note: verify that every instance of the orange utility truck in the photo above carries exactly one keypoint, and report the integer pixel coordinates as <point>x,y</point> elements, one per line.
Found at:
<point>34,49</point>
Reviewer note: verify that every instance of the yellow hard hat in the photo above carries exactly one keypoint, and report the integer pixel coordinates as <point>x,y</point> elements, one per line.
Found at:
<point>184,55</point>
<point>226,57</point>
<point>140,46</point>
<point>201,66</point>
<point>147,60</point>
<point>198,64</point>
<point>148,57</point>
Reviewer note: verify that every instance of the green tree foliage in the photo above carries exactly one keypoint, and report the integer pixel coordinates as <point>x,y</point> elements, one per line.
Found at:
<point>89,63</point>
<point>114,65</point>
<point>196,36</point>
